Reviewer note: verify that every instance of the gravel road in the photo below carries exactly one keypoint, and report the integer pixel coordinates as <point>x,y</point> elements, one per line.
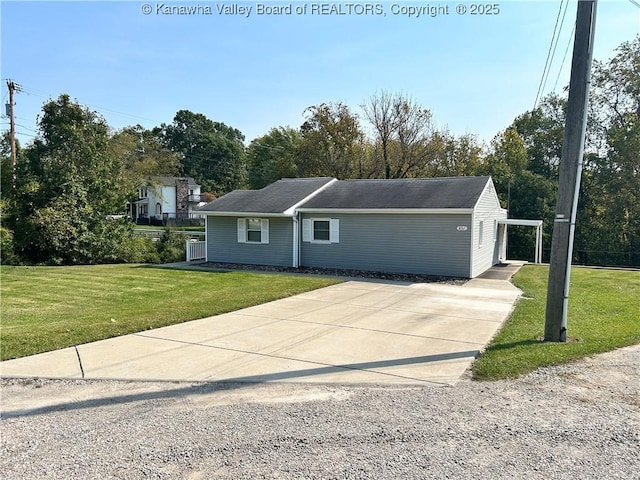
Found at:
<point>579,421</point>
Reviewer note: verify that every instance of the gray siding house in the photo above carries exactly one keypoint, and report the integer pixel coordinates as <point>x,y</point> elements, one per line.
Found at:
<point>435,226</point>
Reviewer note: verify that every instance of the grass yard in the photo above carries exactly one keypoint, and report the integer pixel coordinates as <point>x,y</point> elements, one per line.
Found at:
<point>47,308</point>
<point>604,314</point>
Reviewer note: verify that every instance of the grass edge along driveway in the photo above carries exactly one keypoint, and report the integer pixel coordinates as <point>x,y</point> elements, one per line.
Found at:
<point>48,308</point>
<point>604,314</point>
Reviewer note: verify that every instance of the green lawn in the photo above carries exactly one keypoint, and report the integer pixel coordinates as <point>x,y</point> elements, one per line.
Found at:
<point>604,314</point>
<point>47,308</point>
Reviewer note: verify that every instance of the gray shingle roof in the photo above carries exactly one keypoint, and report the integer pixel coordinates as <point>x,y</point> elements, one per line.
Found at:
<point>274,198</point>
<point>428,193</point>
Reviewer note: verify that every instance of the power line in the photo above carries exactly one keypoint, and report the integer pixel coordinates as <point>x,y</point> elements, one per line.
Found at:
<point>634,2</point>
<point>27,134</point>
<point>96,107</point>
<point>564,57</point>
<point>552,46</point>
<point>19,125</point>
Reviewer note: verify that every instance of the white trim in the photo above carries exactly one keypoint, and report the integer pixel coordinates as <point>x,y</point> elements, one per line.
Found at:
<point>296,240</point>
<point>243,214</point>
<point>264,230</point>
<point>484,190</point>
<point>334,230</point>
<point>308,230</point>
<point>407,211</point>
<point>292,209</point>
<point>472,243</point>
<point>330,211</point>
<point>206,239</point>
<point>516,221</point>
<point>524,223</point>
<point>241,229</point>
<point>312,238</point>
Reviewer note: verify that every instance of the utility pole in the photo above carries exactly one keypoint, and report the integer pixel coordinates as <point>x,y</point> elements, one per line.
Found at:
<point>13,87</point>
<point>555,328</point>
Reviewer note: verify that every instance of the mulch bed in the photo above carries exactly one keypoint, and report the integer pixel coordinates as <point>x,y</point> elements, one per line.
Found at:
<point>335,272</point>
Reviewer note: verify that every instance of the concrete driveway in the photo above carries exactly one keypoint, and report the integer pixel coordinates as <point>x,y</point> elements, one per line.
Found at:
<point>356,332</point>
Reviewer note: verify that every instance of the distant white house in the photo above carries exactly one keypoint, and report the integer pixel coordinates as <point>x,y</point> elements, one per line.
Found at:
<point>162,199</point>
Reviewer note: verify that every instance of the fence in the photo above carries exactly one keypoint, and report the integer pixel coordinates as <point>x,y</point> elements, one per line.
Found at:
<point>593,258</point>
<point>196,250</point>
<point>171,220</point>
<point>150,233</point>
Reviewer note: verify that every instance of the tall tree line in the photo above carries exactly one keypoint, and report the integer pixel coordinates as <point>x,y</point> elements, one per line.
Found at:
<point>394,137</point>
<point>77,172</point>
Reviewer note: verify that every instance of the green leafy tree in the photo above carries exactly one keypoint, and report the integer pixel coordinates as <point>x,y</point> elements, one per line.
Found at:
<point>607,226</point>
<point>6,169</point>
<point>211,152</point>
<point>333,143</point>
<point>273,156</point>
<point>613,216</point>
<point>67,183</point>
<point>507,160</point>
<point>143,155</point>
<point>525,193</point>
<point>449,156</point>
<point>542,131</point>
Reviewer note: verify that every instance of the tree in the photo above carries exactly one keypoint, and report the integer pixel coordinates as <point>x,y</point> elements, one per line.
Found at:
<point>615,212</point>
<point>525,193</point>
<point>380,112</point>
<point>143,155</point>
<point>404,130</point>
<point>67,183</point>
<point>332,143</point>
<point>607,225</point>
<point>448,156</point>
<point>542,131</point>
<point>211,152</point>
<point>507,160</point>
<point>273,156</point>
<point>6,169</point>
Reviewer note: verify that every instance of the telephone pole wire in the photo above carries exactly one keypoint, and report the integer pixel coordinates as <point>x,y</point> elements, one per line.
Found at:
<point>555,328</point>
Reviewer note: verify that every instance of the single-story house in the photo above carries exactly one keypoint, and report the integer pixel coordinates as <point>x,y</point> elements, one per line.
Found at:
<point>163,198</point>
<point>433,226</point>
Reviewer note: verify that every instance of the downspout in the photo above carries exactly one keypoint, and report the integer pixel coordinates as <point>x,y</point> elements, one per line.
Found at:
<point>206,238</point>
<point>473,236</point>
<point>296,240</point>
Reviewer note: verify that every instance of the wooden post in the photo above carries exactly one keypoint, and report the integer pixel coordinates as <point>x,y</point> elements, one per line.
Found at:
<point>555,329</point>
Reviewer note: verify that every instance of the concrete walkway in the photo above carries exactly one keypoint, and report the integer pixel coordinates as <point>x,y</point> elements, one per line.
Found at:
<point>351,333</point>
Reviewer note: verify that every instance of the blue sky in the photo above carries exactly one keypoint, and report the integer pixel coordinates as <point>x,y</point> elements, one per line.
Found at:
<point>476,73</point>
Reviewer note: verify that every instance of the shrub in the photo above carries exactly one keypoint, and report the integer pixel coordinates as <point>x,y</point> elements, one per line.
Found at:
<point>171,246</point>
<point>7,251</point>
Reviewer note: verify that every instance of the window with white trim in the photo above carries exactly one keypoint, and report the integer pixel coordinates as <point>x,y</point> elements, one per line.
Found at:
<point>321,230</point>
<point>253,230</point>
